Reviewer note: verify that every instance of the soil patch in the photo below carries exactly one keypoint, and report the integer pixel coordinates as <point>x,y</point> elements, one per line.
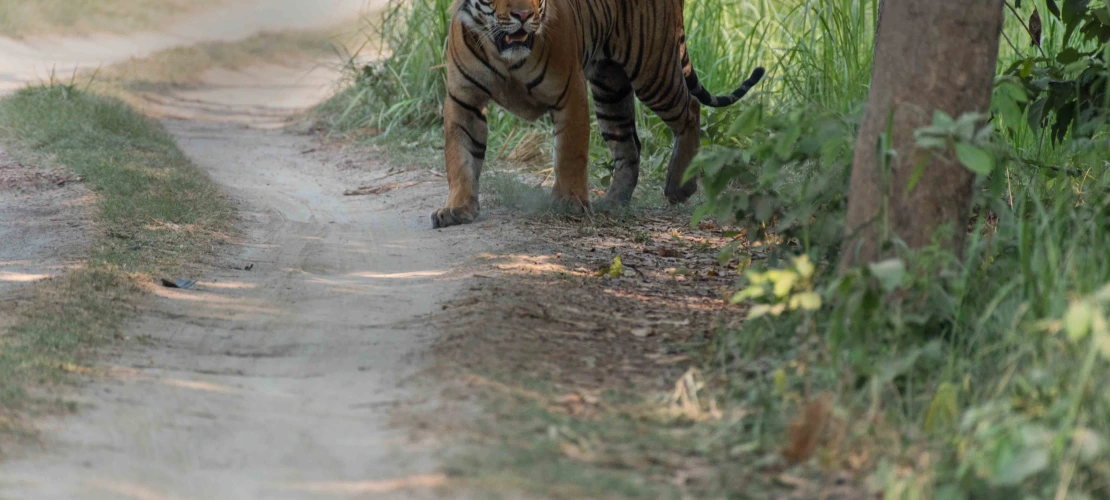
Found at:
<point>45,221</point>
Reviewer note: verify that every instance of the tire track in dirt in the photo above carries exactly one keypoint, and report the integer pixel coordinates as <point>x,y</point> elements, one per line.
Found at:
<point>278,381</point>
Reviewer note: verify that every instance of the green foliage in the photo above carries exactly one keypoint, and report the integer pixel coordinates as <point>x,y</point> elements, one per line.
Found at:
<point>1067,90</point>
<point>996,362</point>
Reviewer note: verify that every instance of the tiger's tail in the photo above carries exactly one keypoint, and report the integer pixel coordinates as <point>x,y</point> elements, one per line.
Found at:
<point>703,95</point>
<point>720,101</point>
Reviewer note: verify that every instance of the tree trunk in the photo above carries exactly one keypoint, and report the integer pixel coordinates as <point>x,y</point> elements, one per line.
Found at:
<point>929,55</point>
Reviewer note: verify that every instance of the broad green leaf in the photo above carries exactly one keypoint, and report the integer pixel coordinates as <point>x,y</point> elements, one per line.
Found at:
<point>1035,113</point>
<point>787,140</point>
<point>942,121</point>
<point>915,176</point>
<point>725,255</point>
<point>890,273</point>
<point>1068,56</point>
<point>1052,7</point>
<point>747,122</point>
<point>1073,11</point>
<point>976,159</point>
<point>925,141</point>
<point>1012,91</point>
<point>1030,461</point>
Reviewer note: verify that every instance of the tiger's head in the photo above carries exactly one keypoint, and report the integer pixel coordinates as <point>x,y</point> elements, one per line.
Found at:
<point>511,25</point>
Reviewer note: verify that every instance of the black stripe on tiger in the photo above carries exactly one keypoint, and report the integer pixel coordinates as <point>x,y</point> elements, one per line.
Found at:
<point>715,101</point>
<point>477,112</point>
<point>479,151</point>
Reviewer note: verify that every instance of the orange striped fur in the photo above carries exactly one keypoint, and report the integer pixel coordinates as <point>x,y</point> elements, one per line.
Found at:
<point>534,57</point>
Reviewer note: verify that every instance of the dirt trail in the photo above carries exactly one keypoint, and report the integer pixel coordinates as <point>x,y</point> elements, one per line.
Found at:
<point>45,210</point>
<point>23,61</point>
<point>277,381</point>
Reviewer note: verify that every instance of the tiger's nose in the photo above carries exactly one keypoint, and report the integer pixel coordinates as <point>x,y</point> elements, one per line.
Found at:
<point>522,15</point>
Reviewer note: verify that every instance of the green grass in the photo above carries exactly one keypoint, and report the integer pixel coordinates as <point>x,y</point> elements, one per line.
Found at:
<point>157,214</point>
<point>19,18</point>
<point>981,376</point>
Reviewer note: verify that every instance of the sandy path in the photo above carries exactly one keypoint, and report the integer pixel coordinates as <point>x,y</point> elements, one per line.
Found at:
<point>33,60</point>
<point>275,382</point>
<point>46,211</point>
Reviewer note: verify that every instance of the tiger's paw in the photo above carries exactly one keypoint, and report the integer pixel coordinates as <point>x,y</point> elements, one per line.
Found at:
<point>679,194</point>
<point>614,199</point>
<point>453,216</point>
<point>570,204</point>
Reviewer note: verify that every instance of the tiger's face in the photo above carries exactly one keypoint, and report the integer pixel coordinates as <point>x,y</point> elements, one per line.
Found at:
<point>512,25</point>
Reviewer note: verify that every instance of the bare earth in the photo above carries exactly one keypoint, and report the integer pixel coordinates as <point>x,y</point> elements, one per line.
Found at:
<point>44,223</point>
<point>35,60</point>
<point>274,376</point>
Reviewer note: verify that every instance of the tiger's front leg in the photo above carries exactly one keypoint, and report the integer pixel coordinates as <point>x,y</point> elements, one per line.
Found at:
<point>572,147</point>
<point>465,131</point>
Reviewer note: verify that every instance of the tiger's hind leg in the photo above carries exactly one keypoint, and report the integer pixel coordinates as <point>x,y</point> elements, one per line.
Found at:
<point>687,139</point>
<point>615,108</point>
<point>664,91</point>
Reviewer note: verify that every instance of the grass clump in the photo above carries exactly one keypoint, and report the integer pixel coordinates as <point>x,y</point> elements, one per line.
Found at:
<point>156,214</point>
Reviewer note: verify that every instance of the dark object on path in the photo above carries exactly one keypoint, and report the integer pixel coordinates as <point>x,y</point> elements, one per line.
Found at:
<point>249,267</point>
<point>183,284</point>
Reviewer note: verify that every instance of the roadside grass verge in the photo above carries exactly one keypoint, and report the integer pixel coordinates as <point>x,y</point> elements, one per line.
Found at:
<point>19,18</point>
<point>156,215</point>
<point>186,66</point>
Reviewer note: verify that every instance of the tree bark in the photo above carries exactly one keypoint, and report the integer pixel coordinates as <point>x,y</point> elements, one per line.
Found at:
<point>929,55</point>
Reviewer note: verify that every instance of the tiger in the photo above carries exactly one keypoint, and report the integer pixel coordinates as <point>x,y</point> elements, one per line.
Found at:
<point>539,57</point>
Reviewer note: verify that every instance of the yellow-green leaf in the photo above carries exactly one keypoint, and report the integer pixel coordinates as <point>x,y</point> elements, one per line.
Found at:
<point>784,282</point>
<point>617,269</point>
<point>758,310</point>
<point>1077,321</point>
<point>943,410</point>
<point>807,301</point>
<point>750,292</point>
<point>804,267</point>
<point>1088,443</point>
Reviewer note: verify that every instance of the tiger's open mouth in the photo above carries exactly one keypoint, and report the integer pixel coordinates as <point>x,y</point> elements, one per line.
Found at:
<point>519,39</point>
